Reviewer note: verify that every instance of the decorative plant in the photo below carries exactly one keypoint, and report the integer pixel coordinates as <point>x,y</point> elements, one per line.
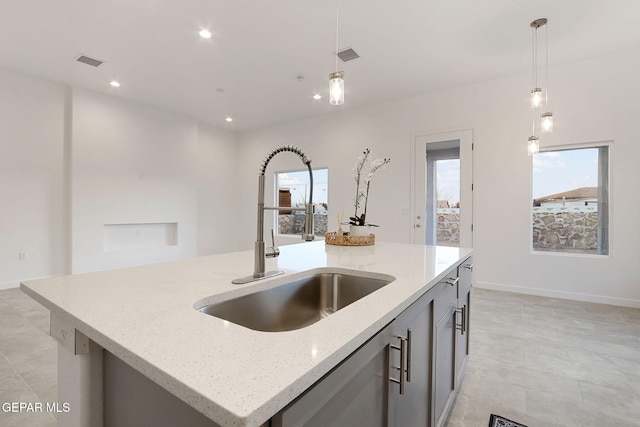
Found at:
<point>363,172</point>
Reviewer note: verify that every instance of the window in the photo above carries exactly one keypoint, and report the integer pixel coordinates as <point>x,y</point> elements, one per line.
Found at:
<point>292,189</point>
<point>571,200</point>
<point>448,202</point>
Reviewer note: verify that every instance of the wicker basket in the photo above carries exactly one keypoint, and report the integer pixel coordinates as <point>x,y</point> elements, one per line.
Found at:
<point>344,239</point>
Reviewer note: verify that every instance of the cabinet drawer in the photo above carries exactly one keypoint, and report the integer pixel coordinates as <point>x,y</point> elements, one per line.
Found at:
<point>465,273</point>
<point>445,295</point>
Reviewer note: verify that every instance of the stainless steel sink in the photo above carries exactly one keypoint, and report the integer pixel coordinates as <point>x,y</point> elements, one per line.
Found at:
<point>296,304</point>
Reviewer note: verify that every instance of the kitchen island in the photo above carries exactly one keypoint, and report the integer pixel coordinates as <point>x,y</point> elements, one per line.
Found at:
<point>144,319</point>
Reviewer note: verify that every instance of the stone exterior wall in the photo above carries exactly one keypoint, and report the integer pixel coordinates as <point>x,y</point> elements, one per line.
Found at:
<point>565,229</point>
<point>448,226</point>
<point>294,223</point>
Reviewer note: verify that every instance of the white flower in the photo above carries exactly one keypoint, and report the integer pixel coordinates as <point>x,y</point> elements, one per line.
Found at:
<point>363,193</point>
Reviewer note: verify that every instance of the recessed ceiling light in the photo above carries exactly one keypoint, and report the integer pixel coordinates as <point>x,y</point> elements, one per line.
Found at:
<point>115,83</point>
<point>229,119</point>
<point>205,34</point>
<point>317,96</point>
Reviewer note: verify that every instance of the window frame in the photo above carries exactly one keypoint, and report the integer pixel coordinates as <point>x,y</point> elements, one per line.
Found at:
<point>276,188</point>
<point>609,210</point>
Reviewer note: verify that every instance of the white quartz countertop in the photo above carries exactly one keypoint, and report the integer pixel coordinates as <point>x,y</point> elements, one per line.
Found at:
<point>234,375</point>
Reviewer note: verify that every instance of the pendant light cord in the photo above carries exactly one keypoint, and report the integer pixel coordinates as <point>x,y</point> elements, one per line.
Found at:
<point>535,58</point>
<point>337,32</point>
<point>546,65</point>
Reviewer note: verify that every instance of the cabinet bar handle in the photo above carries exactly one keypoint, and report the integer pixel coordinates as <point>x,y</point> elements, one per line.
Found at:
<point>402,367</point>
<point>408,355</point>
<point>460,326</point>
<point>468,266</point>
<point>453,283</point>
<point>464,319</point>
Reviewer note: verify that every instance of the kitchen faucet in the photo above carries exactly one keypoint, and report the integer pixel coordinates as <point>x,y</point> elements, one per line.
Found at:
<point>273,251</point>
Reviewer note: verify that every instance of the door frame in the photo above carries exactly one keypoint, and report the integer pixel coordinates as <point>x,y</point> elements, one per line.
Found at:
<point>419,143</point>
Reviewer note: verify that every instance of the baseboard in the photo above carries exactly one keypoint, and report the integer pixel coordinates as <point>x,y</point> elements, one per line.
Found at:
<point>576,296</point>
<point>9,285</point>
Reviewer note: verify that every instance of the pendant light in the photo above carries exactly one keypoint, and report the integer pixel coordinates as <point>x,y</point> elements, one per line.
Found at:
<point>540,97</point>
<point>336,79</point>
<point>546,119</point>
<point>536,92</point>
<point>534,145</point>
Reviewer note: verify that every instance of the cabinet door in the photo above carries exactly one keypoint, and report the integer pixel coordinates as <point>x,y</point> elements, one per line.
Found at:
<point>353,394</point>
<point>444,364</point>
<point>465,273</point>
<point>462,336</point>
<point>412,408</point>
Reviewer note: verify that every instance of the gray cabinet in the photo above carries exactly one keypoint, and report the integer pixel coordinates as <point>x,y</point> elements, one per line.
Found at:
<point>465,273</point>
<point>444,348</point>
<point>354,393</point>
<point>384,383</point>
<point>405,375</point>
<point>413,406</point>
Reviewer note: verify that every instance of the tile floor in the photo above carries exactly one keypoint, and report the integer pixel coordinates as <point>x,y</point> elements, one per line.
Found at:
<point>541,361</point>
<point>548,362</point>
<point>28,359</point>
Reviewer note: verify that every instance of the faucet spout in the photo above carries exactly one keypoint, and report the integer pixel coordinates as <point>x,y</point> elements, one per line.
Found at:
<point>260,251</point>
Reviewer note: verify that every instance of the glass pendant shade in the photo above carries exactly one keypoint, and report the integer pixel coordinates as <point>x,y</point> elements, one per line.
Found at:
<point>336,88</point>
<point>534,145</point>
<point>546,122</point>
<point>536,98</point>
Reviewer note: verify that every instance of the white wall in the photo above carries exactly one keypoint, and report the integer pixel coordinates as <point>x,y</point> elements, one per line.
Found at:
<point>31,179</point>
<point>593,100</point>
<point>72,161</point>
<point>130,164</point>
<point>217,174</point>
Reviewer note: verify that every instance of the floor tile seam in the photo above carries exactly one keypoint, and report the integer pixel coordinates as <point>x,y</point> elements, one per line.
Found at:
<point>20,375</point>
<point>614,414</point>
<point>588,366</point>
<point>620,369</point>
<point>556,376</point>
<point>605,411</point>
<point>627,392</point>
<point>503,361</point>
<point>540,390</point>
<point>15,371</point>
<point>500,380</point>
<point>574,377</point>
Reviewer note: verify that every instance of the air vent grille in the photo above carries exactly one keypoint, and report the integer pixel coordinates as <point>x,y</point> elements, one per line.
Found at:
<point>89,61</point>
<point>347,55</point>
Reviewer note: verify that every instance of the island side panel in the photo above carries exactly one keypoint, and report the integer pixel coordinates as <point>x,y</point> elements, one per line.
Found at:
<point>80,376</point>
<point>131,399</point>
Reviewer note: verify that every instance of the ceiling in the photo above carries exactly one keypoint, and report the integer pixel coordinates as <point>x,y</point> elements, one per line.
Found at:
<point>249,69</point>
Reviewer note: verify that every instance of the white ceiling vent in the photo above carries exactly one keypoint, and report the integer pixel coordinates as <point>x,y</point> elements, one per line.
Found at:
<point>348,55</point>
<point>89,61</point>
